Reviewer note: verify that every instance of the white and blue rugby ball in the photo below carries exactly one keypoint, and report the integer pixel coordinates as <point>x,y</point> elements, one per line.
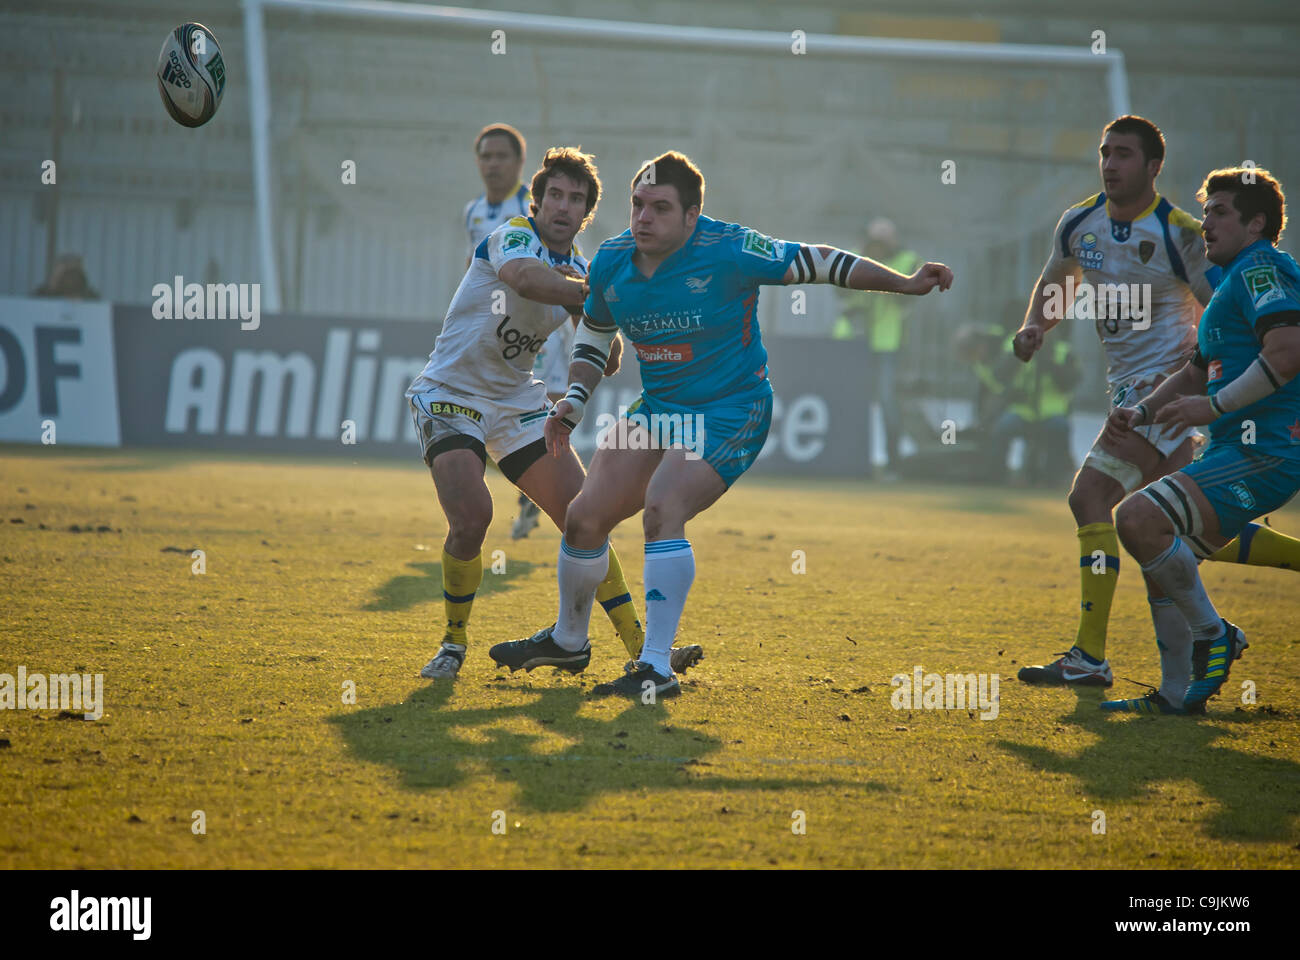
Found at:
<point>191,74</point>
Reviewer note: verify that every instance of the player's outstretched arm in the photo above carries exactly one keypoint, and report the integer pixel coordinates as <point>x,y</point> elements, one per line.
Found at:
<point>534,280</point>
<point>818,263</point>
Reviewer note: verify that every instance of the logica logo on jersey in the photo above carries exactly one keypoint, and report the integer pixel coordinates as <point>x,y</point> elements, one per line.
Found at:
<point>212,301</point>
<point>1107,303</point>
<point>516,341</point>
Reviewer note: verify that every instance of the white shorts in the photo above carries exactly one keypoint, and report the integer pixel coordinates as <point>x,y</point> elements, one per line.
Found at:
<point>1129,393</point>
<point>502,426</point>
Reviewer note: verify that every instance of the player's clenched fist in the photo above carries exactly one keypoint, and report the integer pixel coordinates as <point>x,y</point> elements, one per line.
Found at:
<point>927,277</point>
<point>1027,341</point>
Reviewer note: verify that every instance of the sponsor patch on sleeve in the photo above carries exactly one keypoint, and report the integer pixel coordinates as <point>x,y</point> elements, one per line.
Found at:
<point>764,247</point>
<point>1263,286</point>
<point>515,239</point>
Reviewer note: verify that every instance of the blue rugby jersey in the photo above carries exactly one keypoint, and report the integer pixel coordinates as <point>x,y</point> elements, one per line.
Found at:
<point>693,324</point>
<point>1260,281</point>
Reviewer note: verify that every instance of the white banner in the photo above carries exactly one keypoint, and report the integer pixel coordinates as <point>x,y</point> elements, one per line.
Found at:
<point>58,372</point>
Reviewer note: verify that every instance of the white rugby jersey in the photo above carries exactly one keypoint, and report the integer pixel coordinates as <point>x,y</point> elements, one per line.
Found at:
<point>1161,247</point>
<point>484,352</point>
<point>481,217</point>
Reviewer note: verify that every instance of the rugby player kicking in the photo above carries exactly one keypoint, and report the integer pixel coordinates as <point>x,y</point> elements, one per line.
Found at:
<point>683,288</point>
<point>477,396</point>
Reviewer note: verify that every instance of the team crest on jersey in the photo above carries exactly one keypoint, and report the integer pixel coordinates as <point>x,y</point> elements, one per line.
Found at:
<point>1262,285</point>
<point>697,285</point>
<point>1145,250</point>
<point>516,238</point>
<point>760,246</point>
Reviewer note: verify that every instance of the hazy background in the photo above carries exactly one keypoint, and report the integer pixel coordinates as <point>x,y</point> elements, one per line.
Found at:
<point>802,147</point>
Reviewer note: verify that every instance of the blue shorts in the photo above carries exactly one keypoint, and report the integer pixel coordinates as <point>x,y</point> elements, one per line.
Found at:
<point>1242,484</point>
<point>728,435</point>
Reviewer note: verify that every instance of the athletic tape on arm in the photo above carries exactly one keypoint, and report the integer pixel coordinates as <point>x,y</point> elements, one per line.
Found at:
<point>812,266</point>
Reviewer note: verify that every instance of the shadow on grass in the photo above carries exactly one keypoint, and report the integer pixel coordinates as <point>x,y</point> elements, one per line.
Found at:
<point>406,590</point>
<point>1258,797</point>
<point>576,759</point>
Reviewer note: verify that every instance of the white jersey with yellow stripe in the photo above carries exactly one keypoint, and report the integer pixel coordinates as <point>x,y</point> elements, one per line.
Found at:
<point>481,217</point>
<point>491,336</point>
<point>1145,280</point>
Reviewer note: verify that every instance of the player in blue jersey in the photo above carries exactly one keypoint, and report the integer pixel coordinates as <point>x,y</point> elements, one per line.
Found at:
<point>683,288</point>
<point>1243,382</point>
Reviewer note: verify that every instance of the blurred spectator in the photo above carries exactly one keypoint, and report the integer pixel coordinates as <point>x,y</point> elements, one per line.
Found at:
<point>1031,401</point>
<point>881,318</point>
<point>67,280</point>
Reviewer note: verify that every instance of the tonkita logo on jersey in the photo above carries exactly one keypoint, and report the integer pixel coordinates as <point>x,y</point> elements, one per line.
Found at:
<point>665,353</point>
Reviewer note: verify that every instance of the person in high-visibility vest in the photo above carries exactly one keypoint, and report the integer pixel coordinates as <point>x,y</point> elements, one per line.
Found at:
<point>1038,411</point>
<point>881,320</point>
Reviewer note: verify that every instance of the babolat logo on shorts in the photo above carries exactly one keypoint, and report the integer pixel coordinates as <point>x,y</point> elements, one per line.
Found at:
<point>1243,494</point>
<point>438,408</point>
<point>761,246</point>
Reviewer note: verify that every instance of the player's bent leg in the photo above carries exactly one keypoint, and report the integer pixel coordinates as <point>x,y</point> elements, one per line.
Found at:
<point>1109,472</point>
<point>457,468</point>
<point>552,483</point>
<point>613,491</point>
<point>1261,546</point>
<point>1167,527</point>
<point>1093,496</point>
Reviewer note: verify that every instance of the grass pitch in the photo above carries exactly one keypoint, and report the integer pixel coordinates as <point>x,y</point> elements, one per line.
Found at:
<point>224,691</point>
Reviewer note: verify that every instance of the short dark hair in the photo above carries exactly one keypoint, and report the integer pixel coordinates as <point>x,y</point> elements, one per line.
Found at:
<point>679,171</point>
<point>1254,190</point>
<point>573,163</point>
<point>1148,134</point>
<point>502,130</point>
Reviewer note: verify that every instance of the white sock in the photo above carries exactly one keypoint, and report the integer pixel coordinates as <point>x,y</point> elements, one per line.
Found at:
<point>669,572</point>
<point>1174,638</point>
<point>580,572</point>
<point>1174,571</point>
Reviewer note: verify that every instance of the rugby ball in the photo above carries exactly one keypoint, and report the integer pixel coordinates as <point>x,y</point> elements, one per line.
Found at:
<point>191,74</point>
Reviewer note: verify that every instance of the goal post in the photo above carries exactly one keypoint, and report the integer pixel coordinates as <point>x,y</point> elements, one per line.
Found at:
<point>569,29</point>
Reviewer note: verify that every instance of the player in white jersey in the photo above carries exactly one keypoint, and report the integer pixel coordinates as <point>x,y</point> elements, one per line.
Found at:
<point>1135,264</point>
<point>500,150</point>
<point>477,396</point>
